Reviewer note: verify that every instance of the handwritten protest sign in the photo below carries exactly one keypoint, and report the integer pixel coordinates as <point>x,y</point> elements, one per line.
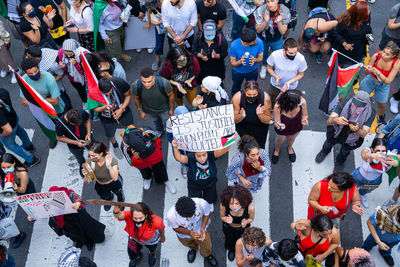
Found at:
<point>205,129</point>
<point>45,205</point>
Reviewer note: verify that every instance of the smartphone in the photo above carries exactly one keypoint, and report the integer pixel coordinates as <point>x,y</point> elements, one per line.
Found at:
<point>203,53</point>
<point>353,122</point>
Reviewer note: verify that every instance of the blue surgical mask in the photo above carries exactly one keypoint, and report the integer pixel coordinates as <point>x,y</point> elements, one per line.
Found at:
<point>32,14</point>
<point>209,37</point>
<point>236,209</point>
<point>9,170</point>
<point>35,77</point>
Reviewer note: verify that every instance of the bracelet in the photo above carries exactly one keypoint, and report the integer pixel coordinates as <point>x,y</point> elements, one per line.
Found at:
<point>123,109</point>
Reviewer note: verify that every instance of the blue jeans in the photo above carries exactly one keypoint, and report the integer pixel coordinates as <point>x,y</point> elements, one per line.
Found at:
<point>9,142</point>
<point>368,84</point>
<point>237,79</point>
<point>159,120</point>
<point>237,26</point>
<point>159,43</point>
<point>276,45</point>
<point>369,243</point>
<point>360,181</point>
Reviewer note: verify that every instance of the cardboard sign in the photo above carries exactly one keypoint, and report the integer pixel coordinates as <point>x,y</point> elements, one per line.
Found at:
<point>45,205</point>
<point>205,129</point>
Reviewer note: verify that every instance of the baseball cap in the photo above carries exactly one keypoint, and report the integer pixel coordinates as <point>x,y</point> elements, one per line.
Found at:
<point>361,99</point>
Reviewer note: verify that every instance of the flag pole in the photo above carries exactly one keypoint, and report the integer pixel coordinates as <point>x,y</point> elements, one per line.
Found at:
<point>355,61</point>
<point>69,130</point>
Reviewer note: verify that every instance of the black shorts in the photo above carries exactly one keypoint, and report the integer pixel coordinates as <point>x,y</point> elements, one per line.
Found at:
<point>158,170</point>
<point>111,125</point>
<point>208,192</point>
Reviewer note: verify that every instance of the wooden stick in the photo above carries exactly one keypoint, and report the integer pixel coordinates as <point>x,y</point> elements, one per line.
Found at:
<point>100,202</point>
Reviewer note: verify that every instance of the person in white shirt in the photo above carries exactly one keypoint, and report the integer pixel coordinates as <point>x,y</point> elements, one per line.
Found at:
<point>286,67</point>
<point>179,18</point>
<point>190,218</point>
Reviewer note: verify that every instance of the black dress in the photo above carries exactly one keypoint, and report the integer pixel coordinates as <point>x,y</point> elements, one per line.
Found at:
<point>351,36</point>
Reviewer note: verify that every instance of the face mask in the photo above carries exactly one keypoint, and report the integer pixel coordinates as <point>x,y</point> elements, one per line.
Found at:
<point>32,14</point>
<point>35,77</point>
<point>209,37</point>
<point>236,209</point>
<point>177,2</point>
<point>9,170</point>
<point>181,63</point>
<point>139,224</point>
<point>290,57</point>
<point>251,99</point>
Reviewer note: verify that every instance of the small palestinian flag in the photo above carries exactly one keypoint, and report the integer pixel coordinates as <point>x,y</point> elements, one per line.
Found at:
<point>95,97</point>
<point>4,105</point>
<point>41,110</point>
<point>227,140</point>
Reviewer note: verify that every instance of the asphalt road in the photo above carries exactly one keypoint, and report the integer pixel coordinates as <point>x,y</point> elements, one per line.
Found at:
<point>280,197</point>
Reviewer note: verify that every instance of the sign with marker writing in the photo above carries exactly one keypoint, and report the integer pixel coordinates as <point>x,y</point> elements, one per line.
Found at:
<point>205,129</point>
<point>46,204</point>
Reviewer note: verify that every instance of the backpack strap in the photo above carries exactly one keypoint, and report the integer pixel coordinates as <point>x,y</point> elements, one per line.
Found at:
<point>83,10</point>
<point>160,87</point>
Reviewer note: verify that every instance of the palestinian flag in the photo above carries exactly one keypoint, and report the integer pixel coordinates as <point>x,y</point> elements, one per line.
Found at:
<point>394,171</point>
<point>3,9</point>
<point>338,83</point>
<point>238,10</point>
<point>95,97</point>
<point>227,140</point>
<point>98,8</point>
<point>42,110</point>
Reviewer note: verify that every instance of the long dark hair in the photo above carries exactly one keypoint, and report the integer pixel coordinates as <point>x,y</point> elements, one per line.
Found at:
<point>176,52</point>
<point>321,223</point>
<point>343,180</point>
<point>247,143</point>
<point>378,142</point>
<point>10,158</point>
<point>289,100</point>
<point>98,147</point>
<point>143,208</point>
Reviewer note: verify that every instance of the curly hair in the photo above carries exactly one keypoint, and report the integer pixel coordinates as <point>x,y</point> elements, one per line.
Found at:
<point>343,180</point>
<point>185,207</point>
<point>254,236</point>
<point>143,208</point>
<point>237,191</point>
<point>289,100</point>
<point>360,258</point>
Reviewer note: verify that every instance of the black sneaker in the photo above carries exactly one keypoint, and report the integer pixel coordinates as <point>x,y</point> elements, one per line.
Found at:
<point>231,255</point>
<point>191,256</point>
<point>211,260</point>
<point>388,259</point>
<point>30,148</point>
<point>381,119</point>
<point>35,161</point>
<point>52,144</point>
<point>19,239</point>
<point>321,156</point>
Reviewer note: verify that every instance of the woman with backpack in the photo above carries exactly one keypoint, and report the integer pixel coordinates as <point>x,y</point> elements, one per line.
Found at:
<point>210,47</point>
<point>375,161</point>
<point>142,149</point>
<point>82,23</point>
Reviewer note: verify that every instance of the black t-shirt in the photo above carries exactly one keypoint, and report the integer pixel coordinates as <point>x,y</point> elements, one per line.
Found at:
<point>61,131</point>
<point>136,8</point>
<point>210,100</point>
<point>57,20</point>
<point>7,112</point>
<point>202,174</point>
<point>119,89</point>
<point>26,26</point>
<point>216,13</point>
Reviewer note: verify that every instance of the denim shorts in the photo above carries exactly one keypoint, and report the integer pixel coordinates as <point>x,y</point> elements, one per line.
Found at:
<point>368,84</point>
<point>364,185</point>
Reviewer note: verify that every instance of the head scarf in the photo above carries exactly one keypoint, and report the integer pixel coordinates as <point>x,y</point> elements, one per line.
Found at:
<point>213,84</point>
<point>49,57</point>
<point>73,46</point>
<point>384,219</point>
<point>60,218</point>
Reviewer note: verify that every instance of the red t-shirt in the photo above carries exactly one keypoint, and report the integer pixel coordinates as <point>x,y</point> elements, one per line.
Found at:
<point>145,232</point>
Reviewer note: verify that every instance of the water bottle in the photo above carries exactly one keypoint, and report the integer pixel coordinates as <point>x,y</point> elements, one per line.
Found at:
<point>334,210</point>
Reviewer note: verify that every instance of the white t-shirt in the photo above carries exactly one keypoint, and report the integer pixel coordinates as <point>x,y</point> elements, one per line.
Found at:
<point>179,18</point>
<point>203,208</point>
<point>370,173</point>
<point>286,68</point>
<point>83,21</point>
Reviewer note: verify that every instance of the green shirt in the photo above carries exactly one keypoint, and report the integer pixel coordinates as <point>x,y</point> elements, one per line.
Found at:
<point>46,87</point>
<point>153,101</point>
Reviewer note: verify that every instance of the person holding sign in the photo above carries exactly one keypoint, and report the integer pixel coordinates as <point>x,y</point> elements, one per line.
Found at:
<point>252,109</point>
<point>103,167</point>
<point>202,172</point>
<point>144,229</point>
<point>250,166</point>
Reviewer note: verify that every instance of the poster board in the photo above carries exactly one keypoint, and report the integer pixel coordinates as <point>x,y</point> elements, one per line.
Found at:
<point>46,204</point>
<point>205,129</point>
<point>136,37</point>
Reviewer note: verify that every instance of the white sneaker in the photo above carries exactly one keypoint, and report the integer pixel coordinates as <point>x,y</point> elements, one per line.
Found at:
<point>146,184</point>
<point>371,1</point>
<point>118,152</point>
<point>171,187</point>
<point>150,50</point>
<point>263,72</point>
<point>13,78</point>
<point>184,171</point>
<point>139,50</point>
<point>394,105</point>
<point>364,201</point>
<point>3,73</point>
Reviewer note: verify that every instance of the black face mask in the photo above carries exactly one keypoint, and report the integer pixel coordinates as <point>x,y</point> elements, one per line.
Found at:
<point>176,3</point>
<point>251,99</point>
<point>290,57</point>
<point>139,224</point>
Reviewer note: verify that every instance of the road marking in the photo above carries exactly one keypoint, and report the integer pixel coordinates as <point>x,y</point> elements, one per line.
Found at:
<point>172,249</point>
<point>116,237</point>
<point>305,171</point>
<point>376,198</point>
<point>46,247</point>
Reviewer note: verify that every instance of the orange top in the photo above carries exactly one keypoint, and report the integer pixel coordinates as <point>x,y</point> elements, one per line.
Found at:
<point>145,232</point>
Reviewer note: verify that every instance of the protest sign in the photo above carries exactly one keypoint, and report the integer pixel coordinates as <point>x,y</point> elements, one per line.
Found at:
<point>45,205</point>
<point>205,129</point>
